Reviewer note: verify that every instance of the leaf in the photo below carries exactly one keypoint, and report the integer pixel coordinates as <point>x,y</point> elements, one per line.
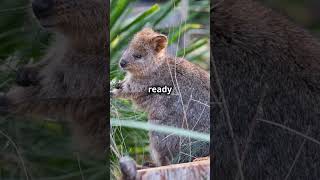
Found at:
<point>118,10</point>
<point>195,45</point>
<point>178,32</point>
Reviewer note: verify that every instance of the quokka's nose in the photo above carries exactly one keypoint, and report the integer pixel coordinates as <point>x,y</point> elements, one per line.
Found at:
<point>42,8</point>
<point>123,64</point>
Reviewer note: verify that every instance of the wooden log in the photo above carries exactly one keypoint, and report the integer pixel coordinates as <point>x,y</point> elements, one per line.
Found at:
<point>197,170</point>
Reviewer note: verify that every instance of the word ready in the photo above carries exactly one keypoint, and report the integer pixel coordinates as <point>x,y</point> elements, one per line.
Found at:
<point>160,90</point>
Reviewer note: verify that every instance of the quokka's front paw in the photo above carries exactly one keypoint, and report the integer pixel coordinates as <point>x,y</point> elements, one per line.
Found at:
<point>116,89</point>
<point>27,76</point>
<point>114,93</point>
<point>118,85</point>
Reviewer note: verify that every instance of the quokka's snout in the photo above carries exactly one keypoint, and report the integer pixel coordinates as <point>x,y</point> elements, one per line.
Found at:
<point>123,63</point>
<point>127,60</point>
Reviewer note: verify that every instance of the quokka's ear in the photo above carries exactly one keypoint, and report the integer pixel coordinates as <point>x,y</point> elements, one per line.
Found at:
<point>159,42</point>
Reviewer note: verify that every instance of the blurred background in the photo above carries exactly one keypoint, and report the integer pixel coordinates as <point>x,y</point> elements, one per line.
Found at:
<point>40,149</point>
<point>34,148</point>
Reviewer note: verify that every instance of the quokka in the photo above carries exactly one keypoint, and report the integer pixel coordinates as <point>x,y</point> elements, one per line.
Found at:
<point>147,65</point>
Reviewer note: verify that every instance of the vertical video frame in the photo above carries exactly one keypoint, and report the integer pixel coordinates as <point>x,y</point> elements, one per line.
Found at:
<point>159,88</point>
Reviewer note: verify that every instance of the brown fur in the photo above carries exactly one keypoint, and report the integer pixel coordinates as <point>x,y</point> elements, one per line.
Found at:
<point>156,68</point>
<point>269,71</point>
<point>71,78</point>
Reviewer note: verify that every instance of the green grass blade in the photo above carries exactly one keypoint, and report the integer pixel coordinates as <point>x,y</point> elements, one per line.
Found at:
<point>119,8</point>
<point>165,10</point>
<point>197,44</point>
<point>178,32</point>
<point>141,17</point>
<point>160,128</point>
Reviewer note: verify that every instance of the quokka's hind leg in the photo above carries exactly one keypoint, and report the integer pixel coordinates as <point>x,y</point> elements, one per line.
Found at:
<point>128,168</point>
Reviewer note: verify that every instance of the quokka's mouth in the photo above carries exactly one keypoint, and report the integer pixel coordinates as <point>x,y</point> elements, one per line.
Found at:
<point>126,68</point>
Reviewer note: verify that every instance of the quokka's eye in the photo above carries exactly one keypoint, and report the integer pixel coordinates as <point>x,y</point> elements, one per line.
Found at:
<point>137,56</point>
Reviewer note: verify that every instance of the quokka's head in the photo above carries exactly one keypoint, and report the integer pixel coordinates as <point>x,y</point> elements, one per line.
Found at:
<point>144,53</point>
<point>71,16</point>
